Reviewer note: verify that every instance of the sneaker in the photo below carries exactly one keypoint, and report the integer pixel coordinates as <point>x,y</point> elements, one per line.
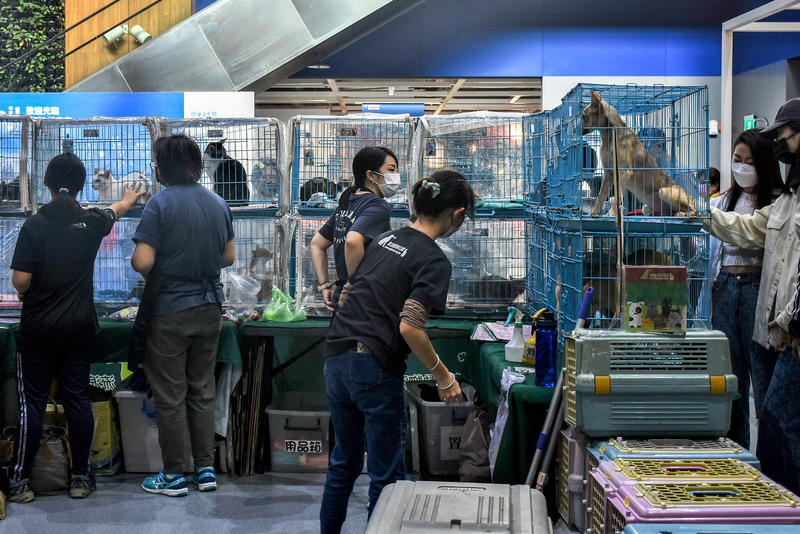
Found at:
<point>174,486</point>
<point>205,479</point>
<point>20,491</point>
<point>80,486</point>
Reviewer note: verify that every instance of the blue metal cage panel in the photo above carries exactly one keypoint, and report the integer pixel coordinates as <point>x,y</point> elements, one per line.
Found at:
<point>15,169</point>
<point>487,148</point>
<point>577,260</point>
<point>257,254</point>
<point>323,151</point>
<point>258,144</point>
<point>671,126</point>
<point>536,239</point>
<point>115,280</point>
<point>120,146</point>
<point>534,128</point>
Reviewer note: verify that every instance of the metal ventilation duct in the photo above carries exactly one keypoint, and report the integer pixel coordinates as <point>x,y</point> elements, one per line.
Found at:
<point>243,45</point>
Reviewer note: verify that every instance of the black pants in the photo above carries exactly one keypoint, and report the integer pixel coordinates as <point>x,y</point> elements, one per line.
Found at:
<point>35,372</point>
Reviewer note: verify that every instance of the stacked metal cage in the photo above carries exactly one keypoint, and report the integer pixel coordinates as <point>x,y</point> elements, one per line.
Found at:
<point>323,149</point>
<point>656,142</point>
<point>248,173</point>
<point>486,147</point>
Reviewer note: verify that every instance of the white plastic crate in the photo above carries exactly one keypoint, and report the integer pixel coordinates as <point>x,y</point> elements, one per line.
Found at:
<point>298,432</point>
<point>140,449</point>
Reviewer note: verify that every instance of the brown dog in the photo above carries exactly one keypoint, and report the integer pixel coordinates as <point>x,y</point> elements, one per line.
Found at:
<point>638,173</point>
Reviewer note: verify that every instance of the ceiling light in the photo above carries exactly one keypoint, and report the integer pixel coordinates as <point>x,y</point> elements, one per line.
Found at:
<point>140,34</point>
<point>391,91</point>
<point>514,99</point>
<point>319,66</point>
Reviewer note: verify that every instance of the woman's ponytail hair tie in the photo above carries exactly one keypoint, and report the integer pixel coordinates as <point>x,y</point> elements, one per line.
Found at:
<point>63,190</point>
<point>433,186</point>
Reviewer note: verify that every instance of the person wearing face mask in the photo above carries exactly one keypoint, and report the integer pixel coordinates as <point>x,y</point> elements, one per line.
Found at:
<point>403,278</point>
<point>737,272</point>
<point>773,229</point>
<point>362,214</point>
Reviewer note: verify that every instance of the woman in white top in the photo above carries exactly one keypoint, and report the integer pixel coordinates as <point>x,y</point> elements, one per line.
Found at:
<point>734,294</point>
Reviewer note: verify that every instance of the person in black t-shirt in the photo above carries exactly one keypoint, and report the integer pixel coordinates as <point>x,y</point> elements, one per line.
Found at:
<point>402,278</point>
<point>54,274</point>
<point>362,215</point>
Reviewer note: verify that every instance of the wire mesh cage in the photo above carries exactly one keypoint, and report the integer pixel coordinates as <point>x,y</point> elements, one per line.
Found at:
<point>9,231</point>
<point>485,147</point>
<point>488,259</point>
<point>535,158</point>
<point>576,261</point>
<point>115,152</point>
<point>324,148</point>
<point>661,153</point>
<point>115,280</point>
<point>243,159</point>
<point>257,255</point>
<point>15,171</point>
<point>536,238</point>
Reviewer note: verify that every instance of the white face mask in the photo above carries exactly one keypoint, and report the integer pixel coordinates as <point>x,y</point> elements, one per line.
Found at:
<point>389,189</point>
<point>744,174</point>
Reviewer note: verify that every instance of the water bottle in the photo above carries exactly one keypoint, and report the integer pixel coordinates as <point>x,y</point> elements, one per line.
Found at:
<point>546,341</point>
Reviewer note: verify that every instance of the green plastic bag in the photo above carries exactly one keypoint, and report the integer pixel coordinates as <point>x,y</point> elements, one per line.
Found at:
<point>282,309</point>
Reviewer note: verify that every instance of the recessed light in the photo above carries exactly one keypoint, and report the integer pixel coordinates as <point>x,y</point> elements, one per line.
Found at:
<point>319,66</point>
<point>514,99</point>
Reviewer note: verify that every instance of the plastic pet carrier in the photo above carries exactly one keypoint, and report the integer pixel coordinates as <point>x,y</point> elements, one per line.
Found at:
<point>652,528</point>
<point>606,480</point>
<point>735,503</point>
<point>649,385</point>
<point>428,507</point>
<point>570,481</point>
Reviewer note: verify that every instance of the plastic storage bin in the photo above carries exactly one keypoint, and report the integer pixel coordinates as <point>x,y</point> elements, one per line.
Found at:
<point>298,432</point>
<point>430,507</point>
<point>140,449</point>
<point>441,428</point>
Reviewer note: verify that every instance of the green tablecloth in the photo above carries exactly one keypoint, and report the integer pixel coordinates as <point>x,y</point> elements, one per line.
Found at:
<point>113,341</point>
<point>528,405</point>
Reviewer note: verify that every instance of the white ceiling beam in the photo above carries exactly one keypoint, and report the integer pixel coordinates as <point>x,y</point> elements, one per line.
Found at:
<point>770,27</point>
<point>755,15</point>
<point>338,95</point>
<point>450,95</point>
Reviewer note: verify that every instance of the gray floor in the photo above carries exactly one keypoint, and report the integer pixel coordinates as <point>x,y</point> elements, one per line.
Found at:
<point>270,503</point>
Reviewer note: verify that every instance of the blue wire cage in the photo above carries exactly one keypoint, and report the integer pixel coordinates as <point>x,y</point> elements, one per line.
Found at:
<point>259,145</point>
<point>534,129</point>
<point>9,231</point>
<point>577,259</point>
<point>323,149</point>
<point>536,238</point>
<point>661,151</point>
<point>485,147</point>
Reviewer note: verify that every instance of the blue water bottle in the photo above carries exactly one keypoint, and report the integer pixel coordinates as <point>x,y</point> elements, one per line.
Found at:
<point>546,340</point>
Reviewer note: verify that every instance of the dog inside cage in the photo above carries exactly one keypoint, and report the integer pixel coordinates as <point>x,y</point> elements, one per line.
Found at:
<point>651,139</point>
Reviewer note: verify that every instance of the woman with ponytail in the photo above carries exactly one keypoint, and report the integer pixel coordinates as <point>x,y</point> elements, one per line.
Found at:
<point>53,273</point>
<point>361,216</point>
<point>402,279</point>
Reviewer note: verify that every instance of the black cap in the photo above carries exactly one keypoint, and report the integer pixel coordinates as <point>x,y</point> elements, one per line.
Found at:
<point>789,112</point>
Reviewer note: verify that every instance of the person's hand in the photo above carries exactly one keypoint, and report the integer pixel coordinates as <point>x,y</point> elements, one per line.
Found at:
<point>327,297</point>
<point>779,338</point>
<point>132,192</point>
<point>452,394</point>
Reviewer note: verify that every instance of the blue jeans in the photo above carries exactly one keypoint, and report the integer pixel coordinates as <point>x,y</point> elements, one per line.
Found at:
<point>365,402</point>
<point>779,425</point>
<point>734,298</point>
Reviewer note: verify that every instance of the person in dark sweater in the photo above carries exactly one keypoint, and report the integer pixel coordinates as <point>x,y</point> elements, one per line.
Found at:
<point>54,275</point>
<point>361,216</point>
<point>402,279</point>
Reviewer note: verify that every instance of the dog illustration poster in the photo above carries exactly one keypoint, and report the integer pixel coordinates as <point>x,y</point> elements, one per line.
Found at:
<point>656,298</point>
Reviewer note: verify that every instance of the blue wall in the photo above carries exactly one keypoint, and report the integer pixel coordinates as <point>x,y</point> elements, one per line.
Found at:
<point>542,38</point>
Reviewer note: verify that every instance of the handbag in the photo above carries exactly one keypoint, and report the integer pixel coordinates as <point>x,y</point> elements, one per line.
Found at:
<point>52,464</point>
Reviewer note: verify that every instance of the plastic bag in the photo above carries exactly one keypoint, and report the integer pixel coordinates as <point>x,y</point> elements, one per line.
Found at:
<point>510,377</point>
<point>243,292</point>
<point>282,309</point>
<point>474,463</point>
